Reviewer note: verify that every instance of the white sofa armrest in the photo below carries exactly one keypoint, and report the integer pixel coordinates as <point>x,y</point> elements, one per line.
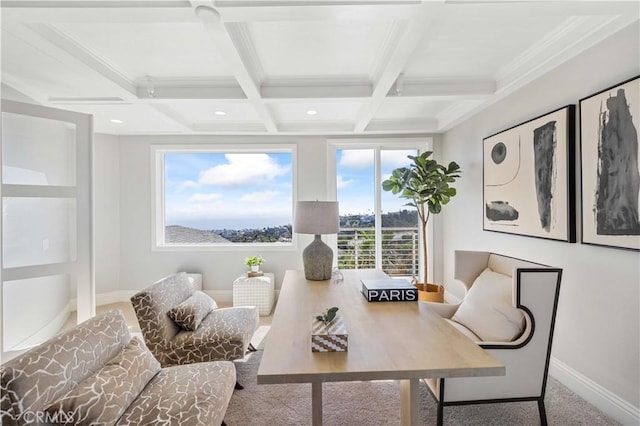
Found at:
<point>515,344</point>
<point>445,310</point>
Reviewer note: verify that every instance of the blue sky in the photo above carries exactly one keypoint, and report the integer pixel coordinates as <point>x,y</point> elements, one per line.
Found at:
<point>253,190</point>
<point>355,180</point>
<point>233,191</point>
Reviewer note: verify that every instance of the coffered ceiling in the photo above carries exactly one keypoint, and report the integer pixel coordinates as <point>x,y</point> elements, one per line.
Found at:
<point>290,66</point>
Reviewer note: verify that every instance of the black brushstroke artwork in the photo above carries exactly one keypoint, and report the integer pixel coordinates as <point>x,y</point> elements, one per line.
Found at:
<point>544,149</point>
<point>618,176</point>
<point>500,210</point>
<point>499,153</point>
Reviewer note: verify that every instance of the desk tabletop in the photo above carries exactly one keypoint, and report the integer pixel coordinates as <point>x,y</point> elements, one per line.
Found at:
<point>387,340</point>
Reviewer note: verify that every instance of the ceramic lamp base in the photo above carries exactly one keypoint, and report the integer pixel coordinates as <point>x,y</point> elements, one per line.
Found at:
<point>318,259</point>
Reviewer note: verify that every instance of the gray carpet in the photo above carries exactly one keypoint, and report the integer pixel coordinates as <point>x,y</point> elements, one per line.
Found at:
<point>378,403</point>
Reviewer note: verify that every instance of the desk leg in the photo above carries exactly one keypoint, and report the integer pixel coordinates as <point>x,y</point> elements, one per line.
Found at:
<point>316,403</point>
<point>410,402</point>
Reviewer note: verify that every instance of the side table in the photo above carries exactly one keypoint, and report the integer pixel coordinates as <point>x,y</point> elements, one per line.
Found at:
<point>255,291</point>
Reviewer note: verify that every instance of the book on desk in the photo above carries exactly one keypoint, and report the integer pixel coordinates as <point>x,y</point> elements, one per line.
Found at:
<point>389,290</point>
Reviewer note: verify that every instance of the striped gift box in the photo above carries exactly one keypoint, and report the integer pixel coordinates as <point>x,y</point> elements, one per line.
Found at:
<point>331,338</point>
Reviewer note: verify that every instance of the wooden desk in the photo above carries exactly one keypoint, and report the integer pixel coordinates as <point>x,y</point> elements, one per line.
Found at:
<point>387,341</point>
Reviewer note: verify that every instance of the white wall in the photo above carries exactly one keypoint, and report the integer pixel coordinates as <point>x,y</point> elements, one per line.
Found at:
<point>598,325</point>
<point>140,266</point>
<point>106,158</point>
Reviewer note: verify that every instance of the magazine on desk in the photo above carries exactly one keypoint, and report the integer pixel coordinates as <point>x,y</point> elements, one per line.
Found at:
<point>389,290</point>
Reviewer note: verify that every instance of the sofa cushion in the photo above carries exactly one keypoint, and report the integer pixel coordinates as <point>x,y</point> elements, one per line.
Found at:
<point>104,396</point>
<point>194,394</point>
<point>223,335</point>
<point>464,330</point>
<point>190,313</point>
<point>488,311</point>
<point>68,359</point>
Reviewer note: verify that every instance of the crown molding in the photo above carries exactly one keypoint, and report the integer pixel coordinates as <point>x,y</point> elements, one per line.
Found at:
<point>418,125</point>
<point>87,58</point>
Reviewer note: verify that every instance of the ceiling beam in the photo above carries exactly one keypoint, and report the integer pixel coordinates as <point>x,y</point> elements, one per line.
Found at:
<point>296,89</point>
<point>445,88</point>
<point>404,39</point>
<point>125,87</point>
<point>189,88</point>
<point>324,88</point>
<point>86,12</point>
<point>238,61</point>
<point>310,10</point>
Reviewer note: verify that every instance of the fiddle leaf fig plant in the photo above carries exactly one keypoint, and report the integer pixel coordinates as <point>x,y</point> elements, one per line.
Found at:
<point>427,184</point>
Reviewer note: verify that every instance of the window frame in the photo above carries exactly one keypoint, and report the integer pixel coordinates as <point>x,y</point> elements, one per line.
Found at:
<point>158,194</point>
<point>422,144</point>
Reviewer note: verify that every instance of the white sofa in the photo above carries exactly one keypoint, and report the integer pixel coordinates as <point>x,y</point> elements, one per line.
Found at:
<point>532,292</point>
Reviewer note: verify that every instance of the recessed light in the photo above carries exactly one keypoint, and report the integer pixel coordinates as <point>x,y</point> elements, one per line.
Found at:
<point>220,113</point>
<point>312,112</point>
<point>117,121</point>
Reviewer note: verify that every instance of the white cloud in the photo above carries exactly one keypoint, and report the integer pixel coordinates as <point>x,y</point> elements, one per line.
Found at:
<point>188,184</point>
<point>259,197</point>
<point>243,169</point>
<point>204,198</point>
<point>395,159</point>
<point>356,158</point>
<point>342,183</point>
<point>363,158</point>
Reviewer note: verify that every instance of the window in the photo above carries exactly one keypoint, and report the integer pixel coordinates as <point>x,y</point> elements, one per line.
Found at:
<point>377,230</point>
<point>208,197</point>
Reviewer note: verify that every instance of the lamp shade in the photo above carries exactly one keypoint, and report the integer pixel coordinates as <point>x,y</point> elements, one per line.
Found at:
<point>316,217</point>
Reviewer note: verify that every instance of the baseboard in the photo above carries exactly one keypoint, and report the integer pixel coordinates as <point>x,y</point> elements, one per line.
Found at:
<point>114,297</point>
<point>605,400</point>
<point>221,296</point>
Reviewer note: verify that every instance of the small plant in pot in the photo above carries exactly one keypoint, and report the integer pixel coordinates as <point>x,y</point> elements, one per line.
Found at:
<point>254,262</point>
<point>427,184</point>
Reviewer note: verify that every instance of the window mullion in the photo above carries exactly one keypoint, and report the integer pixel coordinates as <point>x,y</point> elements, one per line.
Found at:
<point>378,207</point>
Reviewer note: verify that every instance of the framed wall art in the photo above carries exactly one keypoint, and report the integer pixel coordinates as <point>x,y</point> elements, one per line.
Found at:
<point>609,166</point>
<point>529,178</point>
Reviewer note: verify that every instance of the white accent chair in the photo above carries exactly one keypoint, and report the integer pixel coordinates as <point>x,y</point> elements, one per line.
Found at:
<point>535,291</point>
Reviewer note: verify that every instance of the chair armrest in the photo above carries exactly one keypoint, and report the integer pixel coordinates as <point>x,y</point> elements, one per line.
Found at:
<point>521,341</point>
<point>445,310</point>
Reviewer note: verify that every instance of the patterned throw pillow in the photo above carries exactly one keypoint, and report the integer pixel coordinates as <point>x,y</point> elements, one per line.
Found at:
<point>104,397</point>
<point>488,309</point>
<point>190,313</point>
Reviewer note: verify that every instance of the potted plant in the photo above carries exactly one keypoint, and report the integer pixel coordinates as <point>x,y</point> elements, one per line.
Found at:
<point>254,262</point>
<point>427,184</point>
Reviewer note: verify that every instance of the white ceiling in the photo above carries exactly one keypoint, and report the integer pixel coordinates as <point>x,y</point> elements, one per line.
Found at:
<point>365,66</point>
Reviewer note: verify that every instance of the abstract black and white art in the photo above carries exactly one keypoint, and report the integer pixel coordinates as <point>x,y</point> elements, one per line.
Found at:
<point>609,128</point>
<point>528,184</point>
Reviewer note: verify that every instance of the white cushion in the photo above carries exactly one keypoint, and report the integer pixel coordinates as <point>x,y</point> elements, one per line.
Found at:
<point>464,330</point>
<point>488,311</point>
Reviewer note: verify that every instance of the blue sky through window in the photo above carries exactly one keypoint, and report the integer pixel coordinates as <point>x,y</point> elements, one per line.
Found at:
<point>228,190</point>
<point>355,180</point>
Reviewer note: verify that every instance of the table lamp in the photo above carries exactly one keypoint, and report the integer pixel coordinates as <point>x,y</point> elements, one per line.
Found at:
<point>317,218</point>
